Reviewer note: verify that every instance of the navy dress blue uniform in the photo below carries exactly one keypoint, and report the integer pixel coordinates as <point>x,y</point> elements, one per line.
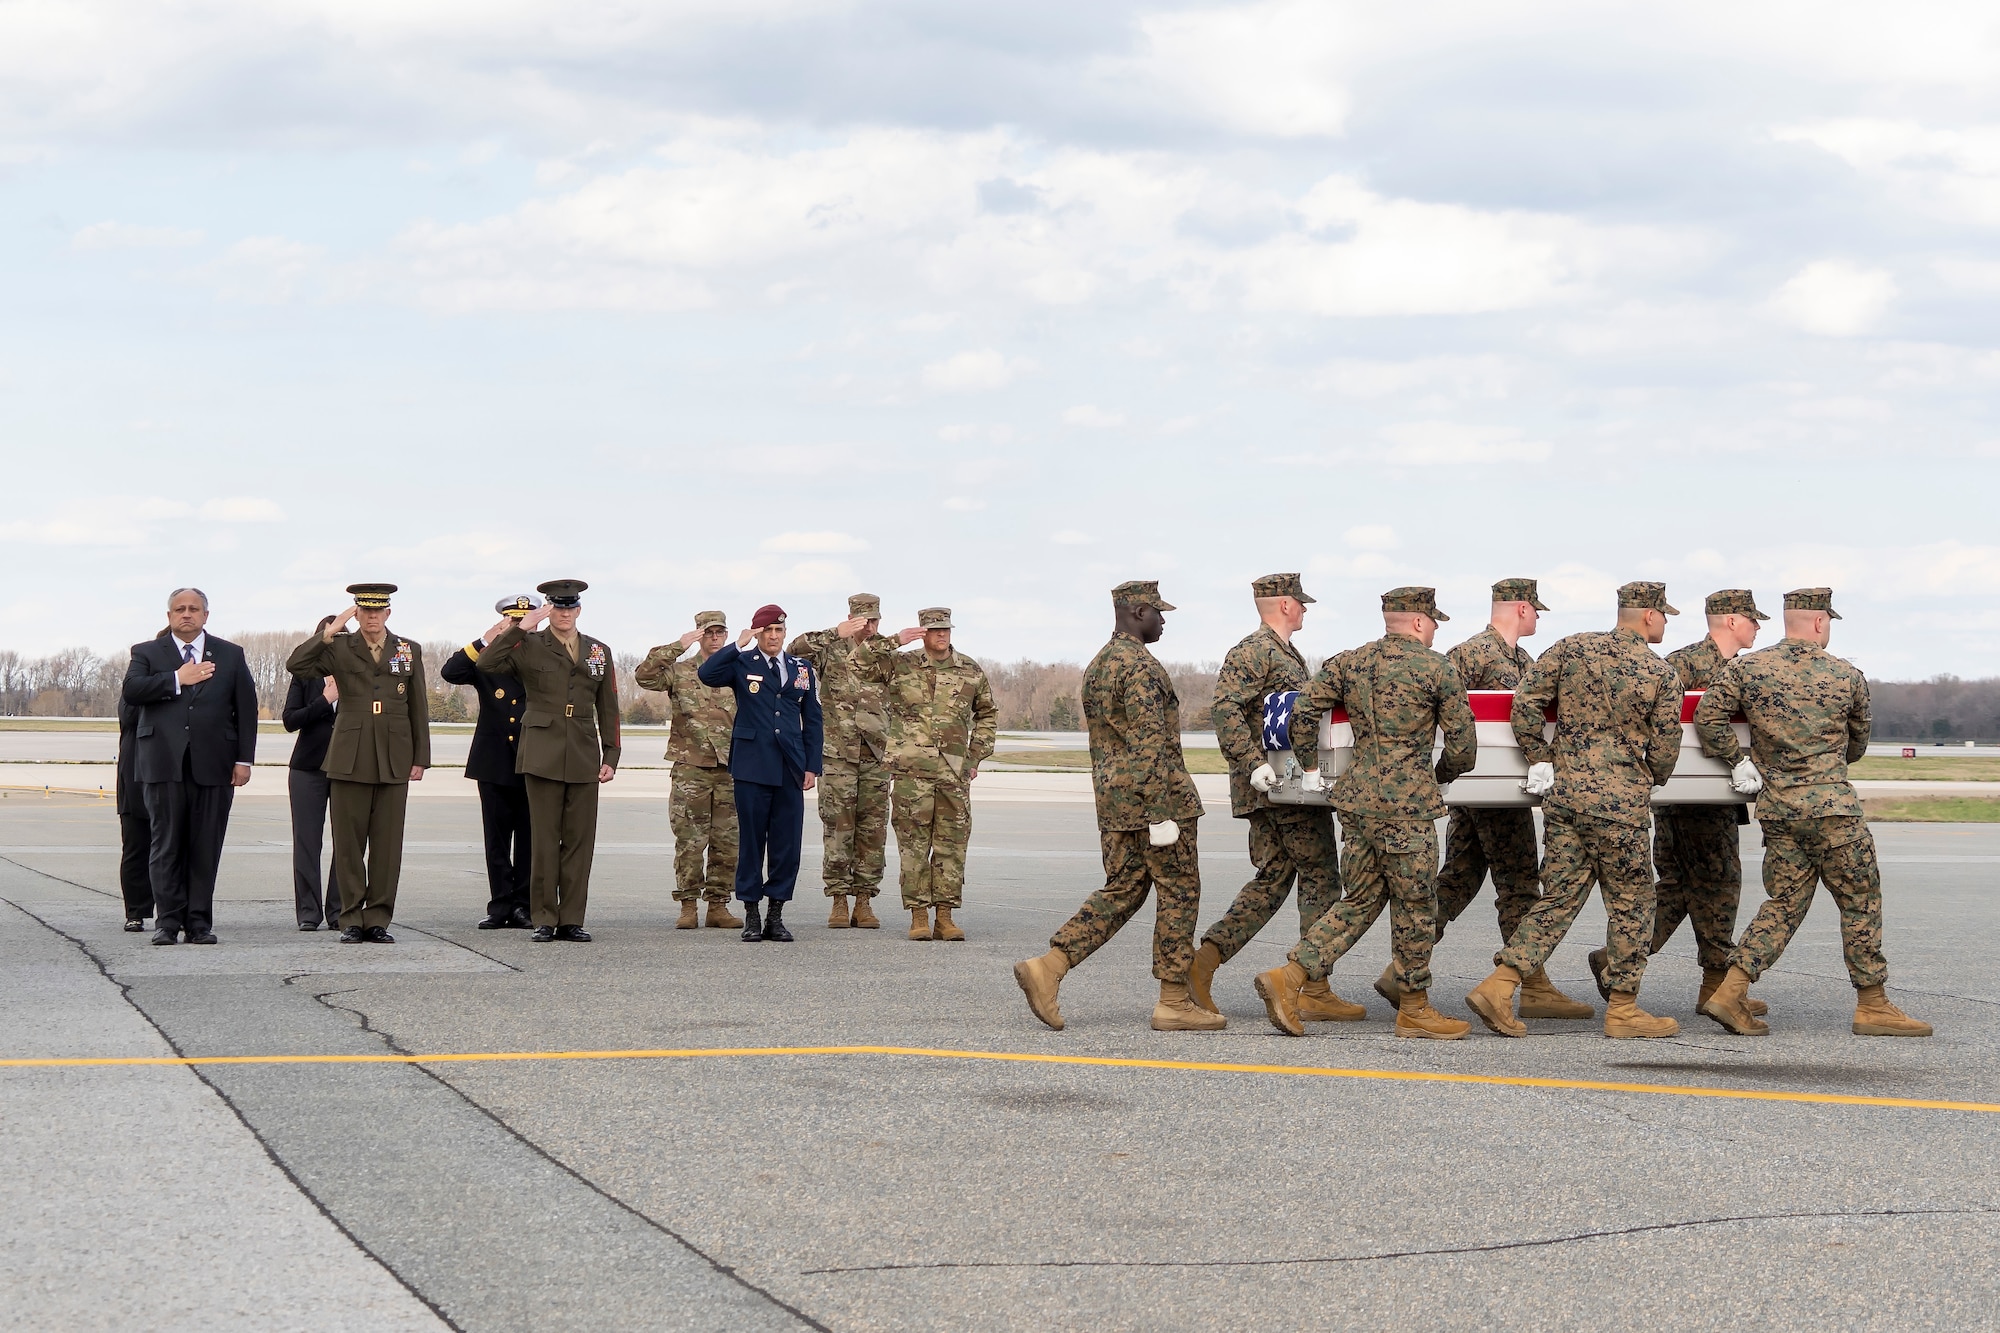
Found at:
<point>503,797</point>
<point>777,740</point>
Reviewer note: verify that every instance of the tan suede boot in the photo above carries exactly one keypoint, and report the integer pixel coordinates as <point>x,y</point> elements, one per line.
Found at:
<point>1624,1018</point>
<point>1318,1004</point>
<point>1711,977</point>
<point>864,912</point>
<point>1493,1000</point>
<point>1874,1016</point>
<point>1540,999</point>
<point>1279,990</point>
<point>690,915</point>
<point>1387,987</point>
<point>1599,959</point>
<point>1039,979</point>
<point>1726,1006</point>
<point>1175,1012</point>
<point>1201,975</point>
<point>947,929</point>
<point>837,918</point>
<point>920,923</point>
<point>1416,1018</point>
<point>722,918</point>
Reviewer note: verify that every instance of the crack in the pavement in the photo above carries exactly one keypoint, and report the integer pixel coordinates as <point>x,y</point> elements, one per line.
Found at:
<point>1539,1242</point>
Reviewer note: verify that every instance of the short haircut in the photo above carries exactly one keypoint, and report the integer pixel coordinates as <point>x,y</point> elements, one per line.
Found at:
<point>175,596</point>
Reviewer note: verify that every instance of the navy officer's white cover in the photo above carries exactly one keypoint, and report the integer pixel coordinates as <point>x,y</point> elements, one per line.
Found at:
<point>1278,719</point>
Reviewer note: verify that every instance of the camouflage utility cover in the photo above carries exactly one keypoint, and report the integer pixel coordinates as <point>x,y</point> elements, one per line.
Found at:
<point>1262,664</point>
<point>1809,719</point>
<point>700,717</point>
<point>1618,723</point>
<point>1398,694</point>
<point>854,704</point>
<point>1134,720</point>
<point>942,719</point>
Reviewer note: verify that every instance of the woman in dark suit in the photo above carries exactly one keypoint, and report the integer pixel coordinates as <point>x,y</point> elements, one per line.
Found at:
<point>309,710</point>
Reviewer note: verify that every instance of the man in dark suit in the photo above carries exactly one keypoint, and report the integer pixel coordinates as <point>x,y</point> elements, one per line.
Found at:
<point>310,702</point>
<point>135,831</point>
<point>775,756</point>
<point>503,797</point>
<point>197,737</point>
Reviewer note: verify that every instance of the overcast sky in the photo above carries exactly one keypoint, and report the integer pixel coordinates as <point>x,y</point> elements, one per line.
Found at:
<point>722,302</point>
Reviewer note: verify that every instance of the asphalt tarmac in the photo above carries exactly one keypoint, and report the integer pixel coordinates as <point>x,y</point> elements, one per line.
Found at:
<point>747,1189</point>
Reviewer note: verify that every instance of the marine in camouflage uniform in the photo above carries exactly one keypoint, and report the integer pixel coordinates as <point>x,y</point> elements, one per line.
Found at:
<point>1398,694</point>
<point>853,792</point>
<point>1287,842</point>
<point>1147,808</point>
<point>1618,735</point>
<point>1809,719</point>
<point>942,725</point>
<point>701,803</point>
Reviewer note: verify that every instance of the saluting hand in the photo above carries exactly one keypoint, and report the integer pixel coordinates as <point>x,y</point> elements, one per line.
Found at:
<point>500,627</point>
<point>906,637</point>
<point>690,637</point>
<point>743,639</point>
<point>850,627</point>
<point>533,620</point>
<point>337,622</point>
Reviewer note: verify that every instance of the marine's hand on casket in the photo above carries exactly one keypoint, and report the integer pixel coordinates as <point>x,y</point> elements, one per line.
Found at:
<point>1312,781</point>
<point>1263,777</point>
<point>1745,778</point>
<point>1541,779</point>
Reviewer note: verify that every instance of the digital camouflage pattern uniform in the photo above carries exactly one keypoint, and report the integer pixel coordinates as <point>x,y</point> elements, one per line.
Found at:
<point>1618,734</point>
<point>1398,694</point>
<point>854,788</point>
<point>942,725</point>
<point>1697,859</point>
<point>1140,777</point>
<point>1809,719</point>
<point>1287,842</point>
<point>1499,840</point>
<point>701,804</point>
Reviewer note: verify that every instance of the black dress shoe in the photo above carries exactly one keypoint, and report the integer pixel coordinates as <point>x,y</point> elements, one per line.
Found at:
<point>543,934</point>
<point>308,925</point>
<point>135,925</point>
<point>574,934</point>
<point>354,935</point>
<point>521,920</point>
<point>379,935</point>
<point>753,929</point>
<point>774,925</point>
<point>495,922</point>
<point>201,937</point>
<point>166,937</point>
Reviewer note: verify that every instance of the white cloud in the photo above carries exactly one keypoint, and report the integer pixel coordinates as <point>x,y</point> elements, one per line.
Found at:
<point>963,504</point>
<point>1945,172</point>
<point>1443,443</point>
<point>1453,376</point>
<point>242,509</point>
<point>264,270</point>
<point>1834,298</point>
<point>1071,537</point>
<point>1267,68</point>
<point>813,543</point>
<point>111,521</point>
<point>1372,537</point>
<point>1092,418</point>
<point>125,236</point>
<point>974,372</point>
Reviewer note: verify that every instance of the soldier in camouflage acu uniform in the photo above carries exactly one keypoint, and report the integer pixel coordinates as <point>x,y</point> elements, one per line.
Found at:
<point>701,804</point>
<point>1499,839</point>
<point>942,725</point>
<point>1809,719</point>
<point>854,789</point>
<point>1398,695</point>
<point>1146,812</point>
<point>1287,842</point>
<point>1618,734</point>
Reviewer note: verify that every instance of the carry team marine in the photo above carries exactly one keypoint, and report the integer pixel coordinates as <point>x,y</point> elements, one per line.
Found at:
<point>1498,839</point>
<point>942,726</point>
<point>569,745</point>
<point>381,743</point>
<point>1618,735</point>
<point>854,789</point>
<point>1398,695</point>
<point>1809,719</point>
<point>1287,842</point>
<point>701,802</point>
<point>1147,808</point>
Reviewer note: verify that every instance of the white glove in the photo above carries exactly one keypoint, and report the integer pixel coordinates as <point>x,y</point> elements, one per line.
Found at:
<point>1745,778</point>
<point>1263,777</point>
<point>1164,834</point>
<point>1312,781</point>
<point>1541,779</point>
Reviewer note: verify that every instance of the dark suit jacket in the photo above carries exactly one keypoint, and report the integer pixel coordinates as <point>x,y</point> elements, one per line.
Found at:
<point>131,797</point>
<point>777,721</point>
<point>496,739</point>
<point>214,723</point>
<point>308,713</point>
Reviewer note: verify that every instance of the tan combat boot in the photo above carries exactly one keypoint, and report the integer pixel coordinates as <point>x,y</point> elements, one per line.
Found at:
<point>690,915</point>
<point>1201,975</point>
<point>1416,1018</point>
<point>1318,1004</point>
<point>1599,959</point>
<point>1039,979</point>
<point>1624,1018</point>
<point>1874,1016</point>
<point>864,912</point>
<point>1493,1000</point>
<point>722,918</point>
<point>1177,1013</point>
<point>1279,990</point>
<point>1387,986</point>
<point>947,929</point>
<point>837,918</point>
<point>1541,999</point>
<point>1711,977</point>
<point>920,923</point>
<point>1729,1005</point>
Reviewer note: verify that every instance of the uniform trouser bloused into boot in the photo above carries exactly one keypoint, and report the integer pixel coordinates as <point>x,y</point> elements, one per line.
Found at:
<point>701,810</point>
<point>853,805</point>
<point>1286,846</point>
<point>933,819</point>
<point>1389,862</point>
<point>1479,841</point>
<point>1579,850</point>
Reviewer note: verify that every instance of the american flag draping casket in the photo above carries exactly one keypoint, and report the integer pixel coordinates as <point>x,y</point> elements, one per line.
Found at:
<point>1496,779</point>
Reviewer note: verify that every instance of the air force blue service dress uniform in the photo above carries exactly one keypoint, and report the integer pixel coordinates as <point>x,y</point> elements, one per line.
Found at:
<point>776,741</point>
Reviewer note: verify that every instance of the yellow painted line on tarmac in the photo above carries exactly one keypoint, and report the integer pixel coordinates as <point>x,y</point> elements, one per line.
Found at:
<point>1017,1057</point>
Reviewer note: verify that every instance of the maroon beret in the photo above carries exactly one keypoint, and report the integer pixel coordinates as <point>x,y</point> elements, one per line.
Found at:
<point>771,614</point>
